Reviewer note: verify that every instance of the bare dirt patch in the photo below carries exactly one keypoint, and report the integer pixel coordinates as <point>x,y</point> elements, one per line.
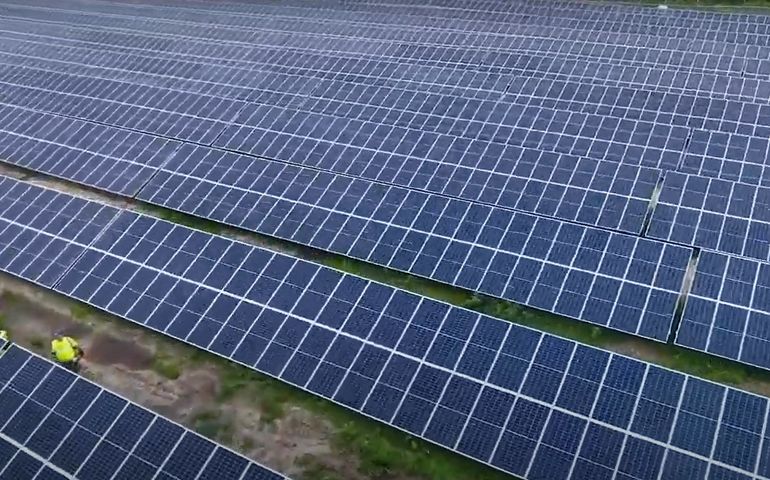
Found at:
<point>105,349</point>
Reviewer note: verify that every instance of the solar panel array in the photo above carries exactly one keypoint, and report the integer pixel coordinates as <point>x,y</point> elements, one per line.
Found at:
<point>57,425</point>
<point>528,403</point>
<point>715,214</point>
<point>419,169</point>
<point>728,310</point>
<point>512,149</point>
<point>55,231</point>
<point>610,279</point>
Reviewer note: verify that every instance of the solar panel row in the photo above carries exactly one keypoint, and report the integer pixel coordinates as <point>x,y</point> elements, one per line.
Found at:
<point>57,425</point>
<point>728,309</point>
<point>715,214</point>
<point>736,151</point>
<point>572,17</point>
<point>730,28</point>
<point>643,310</point>
<point>428,42</point>
<point>584,299</point>
<point>122,110</point>
<point>56,229</point>
<point>723,84</point>
<point>528,403</point>
<point>338,44</point>
<point>94,99</point>
<point>305,108</point>
<point>430,18</point>
<point>727,156</point>
<point>538,182</point>
<point>105,157</point>
<point>576,271</point>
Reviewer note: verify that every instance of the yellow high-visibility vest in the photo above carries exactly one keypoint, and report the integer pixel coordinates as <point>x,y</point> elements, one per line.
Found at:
<point>4,336</point>
<point>64,349</point>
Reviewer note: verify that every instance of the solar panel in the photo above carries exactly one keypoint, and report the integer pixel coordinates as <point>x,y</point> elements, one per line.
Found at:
<point>260,127</point>
<point>727,311</point>
<point>700,80</point>
<point>203,117</point>
<point>86,103</point>
<point>57,425</point>
<point>426,104</point>
<point>530,404</point>
<point>106,157</point>
<point>727,156</point>
<point>601,193</point>
<point>716,214</point>
<point>508,260</point>
<point>42,232</point>
<point>604,194</point>
<point>615,280</point>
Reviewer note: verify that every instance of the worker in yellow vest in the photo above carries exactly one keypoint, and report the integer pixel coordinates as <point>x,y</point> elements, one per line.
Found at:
<point>66,351</point>
<point>4,336</point>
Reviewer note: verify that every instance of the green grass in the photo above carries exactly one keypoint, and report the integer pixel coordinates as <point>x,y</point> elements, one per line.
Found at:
<point>182,218</point>
<point>10,298</point>
<point>82,311</point>
<point>269,395</point>
<point>212,424</point>
<point>314,470</point>
<point>166,367</point>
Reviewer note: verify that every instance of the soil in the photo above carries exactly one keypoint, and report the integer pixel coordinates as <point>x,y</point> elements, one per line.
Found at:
<point>121,358</point>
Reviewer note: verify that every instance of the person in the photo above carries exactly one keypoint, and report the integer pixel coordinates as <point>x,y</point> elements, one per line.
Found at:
<point>4,336</point>
<point>66,352</point>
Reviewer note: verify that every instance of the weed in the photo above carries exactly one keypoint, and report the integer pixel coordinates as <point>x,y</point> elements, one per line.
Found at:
<point>10,298</point>
<point>81,311</point>
<point>272,408</point>
<point>212,424</point>
<point>180,218</point>
<point>247,444</point>
<point>234,379</point>
<point>383,451</point>
<point>705,366</point>
<point>166,367</point>
<point>271,395</point>
<point>315,470</point>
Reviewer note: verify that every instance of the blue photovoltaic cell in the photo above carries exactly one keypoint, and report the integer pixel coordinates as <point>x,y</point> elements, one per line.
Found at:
<point>715,214</point>
<point>102,156</point>
<point>522,401</point>
<point>602,193</point>
<point>353,341</point>
<point>615,280</point>
<point>610,279</point>
<point>43,232</point>
<point>58,425</point>
<point>498,147</point>
<point>734,157</point>
<point>728,309</point>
